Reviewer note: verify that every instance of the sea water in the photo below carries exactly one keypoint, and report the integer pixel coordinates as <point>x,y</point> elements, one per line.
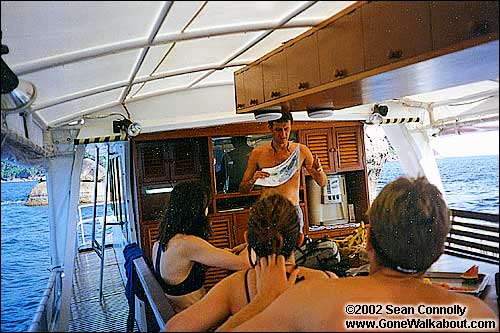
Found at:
<point>470,183</point>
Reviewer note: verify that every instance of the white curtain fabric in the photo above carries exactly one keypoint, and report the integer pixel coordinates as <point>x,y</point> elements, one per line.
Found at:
<point>415,153</point>
<point>63,187</point>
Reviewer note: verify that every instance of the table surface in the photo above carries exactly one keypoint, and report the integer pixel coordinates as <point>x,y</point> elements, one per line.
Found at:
<point>449,263</point>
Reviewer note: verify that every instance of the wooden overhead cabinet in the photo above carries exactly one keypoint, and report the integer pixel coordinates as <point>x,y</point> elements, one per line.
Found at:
<point>340,47</point>
<point>302,64</point>
<point>395,30</point>
<point>274,74</point>
<point>239,86</point>
<point>456,21</point>
<point>254,91</point>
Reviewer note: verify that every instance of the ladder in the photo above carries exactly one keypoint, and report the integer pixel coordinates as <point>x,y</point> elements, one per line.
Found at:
<point>114,189</point>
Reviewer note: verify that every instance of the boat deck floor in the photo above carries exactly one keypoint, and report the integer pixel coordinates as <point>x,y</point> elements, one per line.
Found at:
<point>88,313</point>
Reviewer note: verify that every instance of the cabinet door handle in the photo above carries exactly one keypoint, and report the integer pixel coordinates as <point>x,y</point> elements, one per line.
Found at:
<point>340,72</point>
<point>240,105</point>
<point>275,94</point>
<point>332,149</point>
<point>254,101</point>
<point>478,28</point>
<point>303,85</point>
<point>395,54</point>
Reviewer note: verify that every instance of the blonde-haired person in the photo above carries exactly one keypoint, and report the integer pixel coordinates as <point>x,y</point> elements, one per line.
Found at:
<point>409,223</point>
<point>273,227</point>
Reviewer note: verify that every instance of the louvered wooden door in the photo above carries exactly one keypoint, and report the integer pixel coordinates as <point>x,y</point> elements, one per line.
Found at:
<point>185,159</point>
<point>349,153</point>
<point>149,234</point>
<point>320,142</point>
<point>152,157</point>
<point>220,238</point>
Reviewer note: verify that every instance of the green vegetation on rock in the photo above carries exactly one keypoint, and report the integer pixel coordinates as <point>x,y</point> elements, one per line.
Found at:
<point>12,171</point>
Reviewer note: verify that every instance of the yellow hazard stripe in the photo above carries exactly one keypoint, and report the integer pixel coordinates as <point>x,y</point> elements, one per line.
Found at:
<point>400,120</point>
<point>101,139</point>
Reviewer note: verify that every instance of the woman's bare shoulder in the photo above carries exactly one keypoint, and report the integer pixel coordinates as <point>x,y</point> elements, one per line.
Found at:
<point>310,273</point>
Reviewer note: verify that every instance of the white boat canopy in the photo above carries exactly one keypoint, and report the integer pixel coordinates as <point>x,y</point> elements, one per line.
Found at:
<point>170,65</point>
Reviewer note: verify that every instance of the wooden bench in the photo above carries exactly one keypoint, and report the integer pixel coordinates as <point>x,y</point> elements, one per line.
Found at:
<point>159,303</point>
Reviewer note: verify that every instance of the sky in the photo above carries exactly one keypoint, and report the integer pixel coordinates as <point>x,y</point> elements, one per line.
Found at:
<point>470,144</point>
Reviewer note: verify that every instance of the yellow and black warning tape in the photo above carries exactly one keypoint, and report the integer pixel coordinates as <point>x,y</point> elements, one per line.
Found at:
<point>400,120</point>
<point>101,139</point>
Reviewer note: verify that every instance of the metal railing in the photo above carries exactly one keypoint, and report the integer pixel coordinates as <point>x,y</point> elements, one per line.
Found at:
<point>474,236</point>
<point>48,309</point>
<point>84,243</point>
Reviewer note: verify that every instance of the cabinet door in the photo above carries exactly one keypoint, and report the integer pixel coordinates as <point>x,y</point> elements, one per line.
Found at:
<point>221,231</point>
<point>320,143</point>
<point>153,162</point>
<point>274,76</point>
<point>302,64</point>
<point>240,225</point>
<point>185,159</point>
<point>395,30</point>
<point>456,21</point>
<point>340,47</point>
<point>239,89</point>
<point>153,206</point>
<point>149,234</point>
<point>254,89</point>
<point>349,154</point>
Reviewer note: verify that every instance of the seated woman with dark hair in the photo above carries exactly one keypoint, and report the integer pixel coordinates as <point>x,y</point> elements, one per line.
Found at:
<point>182,252</point>
<point>273,228</point>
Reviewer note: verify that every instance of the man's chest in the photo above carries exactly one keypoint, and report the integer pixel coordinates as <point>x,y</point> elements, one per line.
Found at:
<point>271,158</point>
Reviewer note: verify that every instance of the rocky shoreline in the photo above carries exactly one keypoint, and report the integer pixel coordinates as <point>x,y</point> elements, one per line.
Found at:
<point>38,195</point>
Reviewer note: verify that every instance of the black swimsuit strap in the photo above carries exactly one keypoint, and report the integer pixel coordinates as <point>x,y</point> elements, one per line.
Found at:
<point>246,286</point>
<point>299,278</point>
<point>157,263</point>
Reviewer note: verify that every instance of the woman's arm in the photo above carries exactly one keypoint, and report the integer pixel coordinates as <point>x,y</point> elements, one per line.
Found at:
<point>207,313</point>
<point>199,250</point>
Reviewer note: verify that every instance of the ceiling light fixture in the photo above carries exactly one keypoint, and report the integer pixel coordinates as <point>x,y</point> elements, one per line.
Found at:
<point>17,95</point>
<point>319,112</point>
<point>267,115</point>
<point>126,125</point>
<point>379,112</point>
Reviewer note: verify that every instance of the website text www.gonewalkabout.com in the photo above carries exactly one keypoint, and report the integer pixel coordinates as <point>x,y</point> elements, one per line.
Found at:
<point>418,317</point>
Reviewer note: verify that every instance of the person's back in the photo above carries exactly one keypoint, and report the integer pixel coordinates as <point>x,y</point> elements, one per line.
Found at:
<point>182,252</point>
<point>273,228</point>
<point>383,300</point>
<point>409,223</point>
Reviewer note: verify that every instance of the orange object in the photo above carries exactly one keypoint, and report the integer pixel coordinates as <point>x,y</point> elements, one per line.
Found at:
<point>471,273</point>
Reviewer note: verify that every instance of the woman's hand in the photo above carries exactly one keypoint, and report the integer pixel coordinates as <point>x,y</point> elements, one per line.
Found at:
<point>271,277</point>
<point>238,248</point>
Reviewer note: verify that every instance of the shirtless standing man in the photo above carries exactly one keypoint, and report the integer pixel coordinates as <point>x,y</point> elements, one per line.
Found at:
<point>272,155</point>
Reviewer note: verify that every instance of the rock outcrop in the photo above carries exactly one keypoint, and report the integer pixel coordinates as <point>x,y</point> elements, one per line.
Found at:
<point>39,197</point>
